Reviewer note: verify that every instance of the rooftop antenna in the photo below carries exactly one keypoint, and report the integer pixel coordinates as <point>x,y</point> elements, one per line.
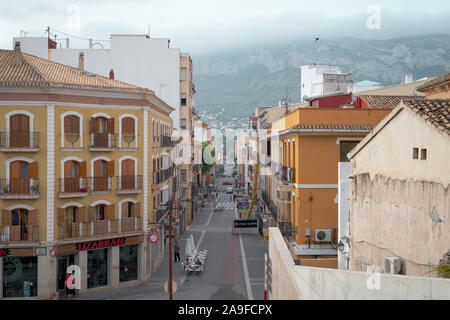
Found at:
<point>148,34</point>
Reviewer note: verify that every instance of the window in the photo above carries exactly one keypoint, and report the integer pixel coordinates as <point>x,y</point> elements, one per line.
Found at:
<point>183,74</point>
<point>128,263</point>
<point>128,126</point>
<point>98,268</point>
<point>423,154</point>
<point>71,124</point>
<point>183,99</point>
<point>20,277</point>
<point>183,123</point>
<point>415,153</point>
<point>183,175</point>
<point>100,212</point>
<point>345,148</point>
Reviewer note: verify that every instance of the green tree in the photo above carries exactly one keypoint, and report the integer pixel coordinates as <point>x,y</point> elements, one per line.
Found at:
<point>206,163</point>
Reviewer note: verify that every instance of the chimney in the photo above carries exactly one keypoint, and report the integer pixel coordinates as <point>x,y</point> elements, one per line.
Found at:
<point>17,52</point>
<point>81,62</point>
<point>111,74</point>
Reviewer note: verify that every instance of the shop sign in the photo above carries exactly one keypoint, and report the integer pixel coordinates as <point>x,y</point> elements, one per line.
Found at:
<point>100,244</point>
<point>245,223</point>
<point>40,251</point>
<point>4,252</point>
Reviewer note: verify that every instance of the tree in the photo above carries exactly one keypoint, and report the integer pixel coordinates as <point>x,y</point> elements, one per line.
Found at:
<point>209,161</point>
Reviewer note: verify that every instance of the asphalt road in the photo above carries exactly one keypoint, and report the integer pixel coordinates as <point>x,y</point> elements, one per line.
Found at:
<point>234,269</point>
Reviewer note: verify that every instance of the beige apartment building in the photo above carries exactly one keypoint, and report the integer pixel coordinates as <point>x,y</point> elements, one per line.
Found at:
<point>85,176</point>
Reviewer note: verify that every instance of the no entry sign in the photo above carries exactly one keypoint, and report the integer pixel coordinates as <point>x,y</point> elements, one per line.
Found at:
<point>245,223</point>
<point>153,238</point>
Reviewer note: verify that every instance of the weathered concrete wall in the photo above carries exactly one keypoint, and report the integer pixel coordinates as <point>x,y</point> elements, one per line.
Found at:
<point>296,282</point>
<point>407,219</point>
<point>283,287</point>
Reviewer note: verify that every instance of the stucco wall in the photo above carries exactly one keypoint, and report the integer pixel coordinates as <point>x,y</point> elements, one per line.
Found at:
<point>407,219</point>
<point>291,282</point>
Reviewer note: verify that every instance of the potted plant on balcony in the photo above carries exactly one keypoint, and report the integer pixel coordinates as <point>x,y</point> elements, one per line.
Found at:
<point>35,188</point>
<point>4,189</point>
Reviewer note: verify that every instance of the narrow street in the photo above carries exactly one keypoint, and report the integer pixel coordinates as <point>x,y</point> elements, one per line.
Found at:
<point>234,268</point>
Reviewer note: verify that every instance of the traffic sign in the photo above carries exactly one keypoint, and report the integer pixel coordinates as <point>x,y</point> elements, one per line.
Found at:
<point>245,223</point>
<point>153,238</point>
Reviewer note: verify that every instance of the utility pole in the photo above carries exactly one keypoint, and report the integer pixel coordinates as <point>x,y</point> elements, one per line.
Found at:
<point>170,254</point>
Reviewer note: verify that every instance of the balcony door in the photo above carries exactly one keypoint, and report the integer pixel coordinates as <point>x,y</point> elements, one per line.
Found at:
<point>101,175</point>
<point>19,179</point>
<point>71,176</point>
<point>19,131</point>
<point>128,178</point>
<point>101,127</point>
<point>20,224</point>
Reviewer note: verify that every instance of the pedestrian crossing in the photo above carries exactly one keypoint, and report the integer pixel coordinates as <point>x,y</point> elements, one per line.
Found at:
<point>226,205</point>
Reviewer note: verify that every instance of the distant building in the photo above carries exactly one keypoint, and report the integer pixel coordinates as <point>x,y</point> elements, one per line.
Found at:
<point>366,85</point>
<point>330,101</point>
<point>322,80</point>
<point>399,198</point>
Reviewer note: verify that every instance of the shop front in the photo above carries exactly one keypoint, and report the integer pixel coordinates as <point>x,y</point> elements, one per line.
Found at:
<point>103,263</point>
<point>19,272</point>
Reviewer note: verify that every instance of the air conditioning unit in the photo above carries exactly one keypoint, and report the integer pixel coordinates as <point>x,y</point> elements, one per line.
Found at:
<point>322,235</point>
<point>393,265</point>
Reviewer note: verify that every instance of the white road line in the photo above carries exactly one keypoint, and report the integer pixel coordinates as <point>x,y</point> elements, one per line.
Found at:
<point>210,217</point>
<point>247,278</point>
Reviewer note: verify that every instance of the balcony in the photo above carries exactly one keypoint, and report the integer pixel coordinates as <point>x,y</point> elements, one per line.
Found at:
<point>19,233</point>
<point>287,174</point>
<point>102,141</point>
<point>163,210</point>
<point>20,188</point>
<point>99,228</point>
<point>100,184</point>
<point>129,184</point>
<point>166,141</point>
<point>270,205</point>
<point>73,187</point>
<point>163,175</point>
<point>19,141</point>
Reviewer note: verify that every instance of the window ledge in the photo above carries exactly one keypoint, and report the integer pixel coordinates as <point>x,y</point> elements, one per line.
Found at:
<point>19,196</point>
<point>64,195</point>
<point>101,149</point>
<point>100,192</point>
<point>71,149</point>
<point>130,191</point>
<point>128,149</point>
<point>19,149</point>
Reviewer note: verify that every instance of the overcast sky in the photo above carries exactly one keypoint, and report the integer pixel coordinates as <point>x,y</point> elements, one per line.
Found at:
<point>204,26</point>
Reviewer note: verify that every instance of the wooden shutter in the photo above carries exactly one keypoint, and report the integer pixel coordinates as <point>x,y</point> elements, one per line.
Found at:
<point>91,215</point>
<point>33,170</point>
<point>137,209</point>
<point>128,126</point>
<point>111,168</point>
<point>34,217</point>
<point>124,210</point>
<point>5,218</point>
<point>111,212</point>
<point>82,216</point>
<point>92,125</point>
<point>60,215</point>
<point>83,169</point>
<point>111,125</point>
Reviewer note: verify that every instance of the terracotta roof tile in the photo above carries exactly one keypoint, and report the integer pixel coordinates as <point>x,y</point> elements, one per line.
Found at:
<point>334,127</point>
<point>385,102</point>
<point>436,111</point>
<point>21,69</point>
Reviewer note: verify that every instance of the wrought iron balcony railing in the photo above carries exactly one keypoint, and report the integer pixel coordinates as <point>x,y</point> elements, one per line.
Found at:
<point>19,187</point>
<point>19,233</point>
<point>103,140</point>
<point>19,140</point>
<point>130,183</point>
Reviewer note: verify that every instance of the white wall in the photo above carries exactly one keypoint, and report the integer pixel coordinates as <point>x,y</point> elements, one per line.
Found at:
<point>136,59</point>
<point>312,79</point>
<point>343,210</point>
<point>292,282</point>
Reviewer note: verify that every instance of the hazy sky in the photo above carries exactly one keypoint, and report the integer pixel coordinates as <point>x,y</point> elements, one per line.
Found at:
<point>203,26</point>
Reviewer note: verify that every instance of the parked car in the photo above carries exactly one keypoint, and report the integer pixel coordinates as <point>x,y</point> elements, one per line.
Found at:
<point>230,190</point>
<point>226,183</point>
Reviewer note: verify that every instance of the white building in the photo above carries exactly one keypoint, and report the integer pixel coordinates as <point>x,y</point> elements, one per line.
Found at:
<point>137,59</point>
<point>320,80</point>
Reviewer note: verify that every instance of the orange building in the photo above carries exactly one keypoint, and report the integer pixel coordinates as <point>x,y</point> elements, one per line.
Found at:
<point>312,144</point>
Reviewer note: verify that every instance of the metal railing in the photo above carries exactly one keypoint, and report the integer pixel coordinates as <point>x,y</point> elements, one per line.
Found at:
<point>166,141</point>
<point>99,228</point>
<point>130,183</point>
<point>12,140</point>
<point>73,185</point>
<point>98,184</point>
<point>163,175</point>
<point>103,140</point>
<point>287,174</point>
<point>19,186</point>
<point>19,233</point>
<point>272,208</point>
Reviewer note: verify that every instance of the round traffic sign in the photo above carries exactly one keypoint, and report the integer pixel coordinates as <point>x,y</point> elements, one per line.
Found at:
<point>153,238</point>
<point>174,286</point>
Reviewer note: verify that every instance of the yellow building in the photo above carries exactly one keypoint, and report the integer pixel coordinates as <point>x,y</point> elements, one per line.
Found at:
<point>84,160</point>
<point>313,142</point>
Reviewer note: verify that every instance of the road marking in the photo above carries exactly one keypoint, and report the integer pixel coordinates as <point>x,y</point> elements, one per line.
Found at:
<point>210,217</point>
<point>244,264</point>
